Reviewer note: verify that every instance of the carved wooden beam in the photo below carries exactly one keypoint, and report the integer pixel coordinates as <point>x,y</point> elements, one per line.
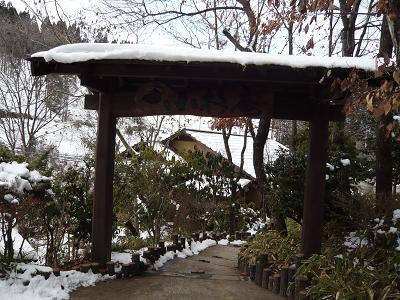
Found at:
<point>159,99</point>
<point>156,98</point>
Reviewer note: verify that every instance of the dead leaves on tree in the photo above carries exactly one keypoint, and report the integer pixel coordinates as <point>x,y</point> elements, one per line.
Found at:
<point>381,102</point>
<point>298,11</point>
<point>228,123</point>
<point>305,6</point>
<point>389,8</point>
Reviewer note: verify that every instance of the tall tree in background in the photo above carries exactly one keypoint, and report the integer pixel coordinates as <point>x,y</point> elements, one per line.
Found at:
<point>389,43</point>
<point>384,159</point>
<point>226,125</point>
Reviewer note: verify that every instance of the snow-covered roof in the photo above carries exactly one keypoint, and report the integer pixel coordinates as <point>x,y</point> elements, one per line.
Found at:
<point>82,52</point>
<point>166,152</point>
<point>214,141</point>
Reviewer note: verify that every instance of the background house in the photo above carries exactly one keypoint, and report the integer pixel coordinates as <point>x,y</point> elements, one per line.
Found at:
<point>211,142</point>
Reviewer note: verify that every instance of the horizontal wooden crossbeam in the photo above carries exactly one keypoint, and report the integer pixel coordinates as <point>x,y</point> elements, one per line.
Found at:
<point>158,99</point>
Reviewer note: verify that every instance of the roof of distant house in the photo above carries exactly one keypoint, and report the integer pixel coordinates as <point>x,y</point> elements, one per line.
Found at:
<point>214,141</point>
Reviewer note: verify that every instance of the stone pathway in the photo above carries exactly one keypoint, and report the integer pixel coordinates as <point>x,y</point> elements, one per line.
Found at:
<point>210,275</point>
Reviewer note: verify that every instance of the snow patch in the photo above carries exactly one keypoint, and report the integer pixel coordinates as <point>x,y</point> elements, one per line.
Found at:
<point>396,215</point>
<point>331,167</point>
<point>223,242</point>
<point>16,176</point>
<point>19,242</point>
<point>54,288</point>
<point>345,162</point>
<point>238,242</point>
<point>353,241</point>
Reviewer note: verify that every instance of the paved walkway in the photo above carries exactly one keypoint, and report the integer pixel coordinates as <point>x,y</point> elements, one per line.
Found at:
<point>209,275</point>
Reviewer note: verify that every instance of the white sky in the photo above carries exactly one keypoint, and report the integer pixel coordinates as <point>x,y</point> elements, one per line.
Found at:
<point>157,36</point>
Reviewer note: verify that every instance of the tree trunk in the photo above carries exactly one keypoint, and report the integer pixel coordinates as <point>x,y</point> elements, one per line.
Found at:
<point>8,245</point>
<point>384,160</point>
<point>384,163</point>
<point>226,135</point>
<point>348,16</point>
<point>260,140</point>
<point>294,122</point>
<point>293,136</point>
<point>393,27</point>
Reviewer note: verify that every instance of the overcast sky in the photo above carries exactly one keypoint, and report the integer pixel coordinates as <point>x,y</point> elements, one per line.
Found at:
<point>71,10</point>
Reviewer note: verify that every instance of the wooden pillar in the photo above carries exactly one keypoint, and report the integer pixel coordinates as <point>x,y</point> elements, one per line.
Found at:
<point>313,208</point>
<point>103,182</point>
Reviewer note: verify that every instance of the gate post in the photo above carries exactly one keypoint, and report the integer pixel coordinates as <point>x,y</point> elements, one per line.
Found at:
<point>313,208</point>
<point>103,182</point>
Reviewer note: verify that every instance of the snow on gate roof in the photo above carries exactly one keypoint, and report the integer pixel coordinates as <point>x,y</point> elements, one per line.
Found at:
<point>83,52</point>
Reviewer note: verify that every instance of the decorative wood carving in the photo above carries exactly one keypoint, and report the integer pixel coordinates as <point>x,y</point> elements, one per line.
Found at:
<point>156,98</point>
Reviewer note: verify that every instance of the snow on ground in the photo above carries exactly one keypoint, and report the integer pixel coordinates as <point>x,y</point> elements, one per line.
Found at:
<point>223,242</point>
<point>353,241</point>
<point>84,51</point>
<point>27,250</point>
<point>54,288</point>
<point>396,216</point>
<point>356,239</point>
<point>366,188</point>
<point>58,288</point>
<point>194,249</point>
<point>237,242</point>
<point>226,242</point>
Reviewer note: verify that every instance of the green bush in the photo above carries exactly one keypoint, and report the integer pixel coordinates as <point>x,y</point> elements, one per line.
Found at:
<point>6,266</point>
<point>285,185</point>
<point>281,249</point>
<point>365,264</point>
<point>220,219</point>
<point>130,243</point>
<point>345,168</point>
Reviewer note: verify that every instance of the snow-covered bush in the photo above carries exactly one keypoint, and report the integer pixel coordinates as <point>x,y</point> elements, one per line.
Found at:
<point>19,193</point>
<point>44,218</point>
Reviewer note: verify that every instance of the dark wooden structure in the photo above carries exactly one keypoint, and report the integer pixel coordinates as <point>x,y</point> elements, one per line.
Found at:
<point>126,88</point>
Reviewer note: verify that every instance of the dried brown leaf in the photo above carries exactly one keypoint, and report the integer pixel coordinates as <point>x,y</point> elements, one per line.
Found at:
<point>306,28</point>
<point>310,44</point>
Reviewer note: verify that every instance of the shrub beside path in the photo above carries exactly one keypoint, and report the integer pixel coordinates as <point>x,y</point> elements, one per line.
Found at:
<point>210,275</point>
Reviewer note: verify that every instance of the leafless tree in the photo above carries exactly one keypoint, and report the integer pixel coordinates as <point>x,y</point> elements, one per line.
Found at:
<point>30,104</point>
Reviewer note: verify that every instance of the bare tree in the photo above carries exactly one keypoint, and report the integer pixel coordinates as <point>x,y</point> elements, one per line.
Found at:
<point>30,105</point>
